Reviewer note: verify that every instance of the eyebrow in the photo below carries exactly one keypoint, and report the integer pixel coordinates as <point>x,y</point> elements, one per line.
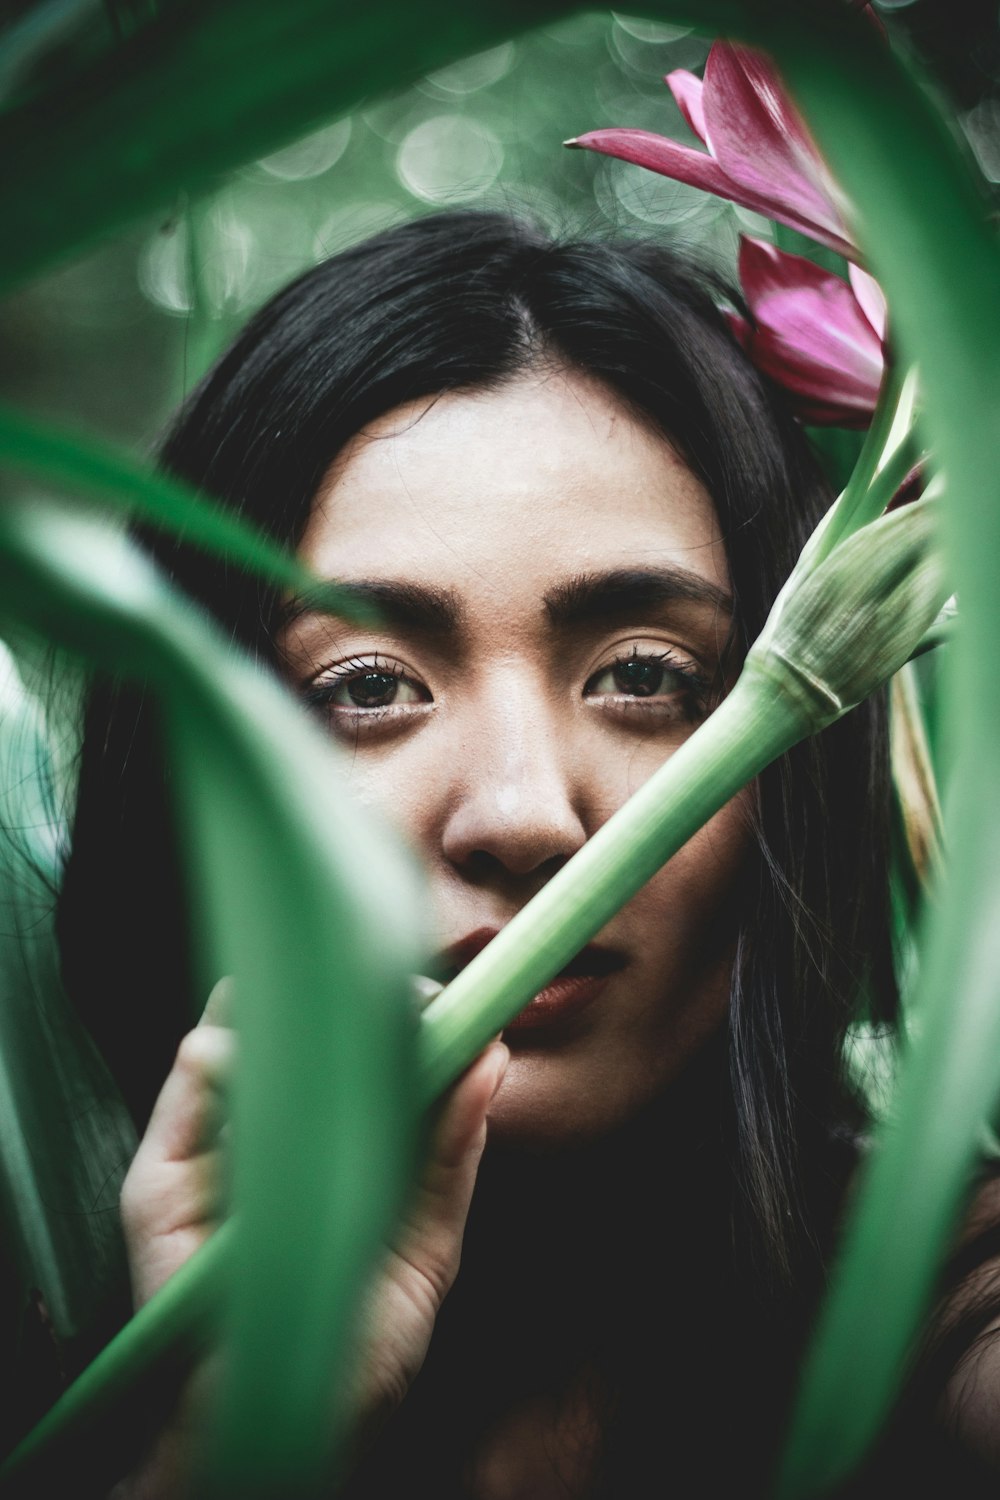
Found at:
<point>406,606</point>
<point>612,595</point>
<point>585,598</point>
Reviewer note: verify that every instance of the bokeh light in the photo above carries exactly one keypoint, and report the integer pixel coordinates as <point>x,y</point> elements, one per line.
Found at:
<point>472,73</point>
<point>310,156</point>
<point>982,127</point>
<point>117,338</point>
<point>449,159</point>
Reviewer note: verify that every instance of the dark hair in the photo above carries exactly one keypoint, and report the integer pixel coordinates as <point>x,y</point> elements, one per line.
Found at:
<point>467,300</point>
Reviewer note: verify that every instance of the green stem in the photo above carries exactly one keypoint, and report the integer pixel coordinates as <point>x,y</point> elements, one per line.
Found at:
<point>749,729</point>
<point>856,505</point>
<point>127,1375</point>
<point>888,480</point>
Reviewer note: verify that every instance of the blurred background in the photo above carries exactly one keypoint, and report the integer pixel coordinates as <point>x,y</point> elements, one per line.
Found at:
<point>111,342</point>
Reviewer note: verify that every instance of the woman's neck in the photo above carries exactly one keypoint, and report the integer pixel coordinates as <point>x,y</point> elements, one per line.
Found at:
<point>561,1253</point>
<point>599,1313</point>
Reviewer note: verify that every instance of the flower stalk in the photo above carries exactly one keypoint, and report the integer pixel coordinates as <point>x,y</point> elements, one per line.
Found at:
<point>850,621</point>
<point>886,457</point>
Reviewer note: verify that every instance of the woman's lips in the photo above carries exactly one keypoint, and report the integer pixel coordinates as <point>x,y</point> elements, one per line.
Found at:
<point>565,996</point>
<point>577,985</point>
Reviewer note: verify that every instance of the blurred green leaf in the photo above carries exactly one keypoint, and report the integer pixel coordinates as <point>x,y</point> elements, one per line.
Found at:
<point>65,1135</point>
<point>899,162</point>
<point>252,76</point>
<point>81,466</point>
<point>302,897</point>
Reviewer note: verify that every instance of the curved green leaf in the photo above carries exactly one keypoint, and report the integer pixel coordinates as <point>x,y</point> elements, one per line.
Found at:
<point>82,466</point>
<point>925,231</point>
<point>65,1135</point>
<point>292,889</point>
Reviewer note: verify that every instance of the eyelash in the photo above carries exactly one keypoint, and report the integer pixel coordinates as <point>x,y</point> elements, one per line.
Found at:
<point>694,691</point>
<point>693,694</point>
<point>320,694</point>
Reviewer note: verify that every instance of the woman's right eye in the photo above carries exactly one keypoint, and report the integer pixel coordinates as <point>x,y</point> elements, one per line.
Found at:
<point>360,687</point>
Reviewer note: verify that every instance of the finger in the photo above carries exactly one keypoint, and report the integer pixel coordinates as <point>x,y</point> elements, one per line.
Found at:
<point>220,1004</point>
<point>172,1196</point>
<point>431,1239</point>
<point>190,1109</point>
<point>168,1217</point>
<point>462,1123</point>
<point>424,990</point>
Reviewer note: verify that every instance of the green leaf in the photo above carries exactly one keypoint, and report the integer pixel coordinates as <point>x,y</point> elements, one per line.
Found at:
<point>900,164</point>
<point>82,466</point>
<point>65,1135</point>
<point>204,88</point>
<point>305,900</point>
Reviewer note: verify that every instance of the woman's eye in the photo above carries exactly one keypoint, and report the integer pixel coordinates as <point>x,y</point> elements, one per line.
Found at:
<point>652,675</point>
<point>367,685</point>
<point>375,690</point>
<point>639,677</point>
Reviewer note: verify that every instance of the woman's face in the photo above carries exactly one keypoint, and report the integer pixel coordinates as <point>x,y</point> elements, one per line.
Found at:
<point>554,594</point>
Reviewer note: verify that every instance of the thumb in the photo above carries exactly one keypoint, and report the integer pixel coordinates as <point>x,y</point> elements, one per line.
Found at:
<point>431,1237</point>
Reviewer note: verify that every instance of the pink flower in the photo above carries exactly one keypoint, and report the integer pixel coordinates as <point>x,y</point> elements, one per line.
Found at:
<point>819,337</point>
<point>760,153</point>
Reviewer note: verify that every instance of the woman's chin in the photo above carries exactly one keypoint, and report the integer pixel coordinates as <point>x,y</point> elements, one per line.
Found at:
<point>547,1102</point>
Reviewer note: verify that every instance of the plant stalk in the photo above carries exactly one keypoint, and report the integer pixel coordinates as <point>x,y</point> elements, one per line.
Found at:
<point>749,729</point>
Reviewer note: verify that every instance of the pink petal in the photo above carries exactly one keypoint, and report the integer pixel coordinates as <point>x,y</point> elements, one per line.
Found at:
<point>871,298</point>
<point>812,335</point>
<point>762,144</point>
<point>871,17</point>
<point>669,158</point>
<point>764,269</point>
<point>823,371</point>
<point>682,163</point>
<point>820,397</point>
<point>686,89</point>
<point>911,488</point>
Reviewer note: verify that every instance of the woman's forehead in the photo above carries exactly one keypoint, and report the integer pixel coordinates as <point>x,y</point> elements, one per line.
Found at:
<point>548,475</point>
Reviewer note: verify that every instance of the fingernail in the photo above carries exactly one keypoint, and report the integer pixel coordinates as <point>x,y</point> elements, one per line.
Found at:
<point>221,1002</point>
<point>424,990</point>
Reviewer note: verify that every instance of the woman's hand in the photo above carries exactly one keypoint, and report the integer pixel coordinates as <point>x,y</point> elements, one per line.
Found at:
<point>174,1197</point>
<point>174,1193</point>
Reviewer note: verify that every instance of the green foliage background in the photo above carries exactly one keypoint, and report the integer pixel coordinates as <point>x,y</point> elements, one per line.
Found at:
<point>113,339</point>
<point>110,341</point>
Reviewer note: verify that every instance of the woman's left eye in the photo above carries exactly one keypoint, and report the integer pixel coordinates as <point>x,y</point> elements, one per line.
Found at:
<point>647,675</point>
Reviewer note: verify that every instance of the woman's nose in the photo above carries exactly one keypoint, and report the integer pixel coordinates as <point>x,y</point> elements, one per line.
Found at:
<point>517,799</point>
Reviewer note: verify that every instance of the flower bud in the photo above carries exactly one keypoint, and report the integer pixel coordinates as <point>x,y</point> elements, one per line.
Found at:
<point>851,622</point>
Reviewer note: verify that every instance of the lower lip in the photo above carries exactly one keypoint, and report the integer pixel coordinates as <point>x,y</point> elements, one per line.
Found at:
<point>563,998</point>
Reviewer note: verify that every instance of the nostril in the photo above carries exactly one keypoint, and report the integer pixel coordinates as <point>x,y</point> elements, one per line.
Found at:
<point>520,813</point>
<point>518,863</point>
